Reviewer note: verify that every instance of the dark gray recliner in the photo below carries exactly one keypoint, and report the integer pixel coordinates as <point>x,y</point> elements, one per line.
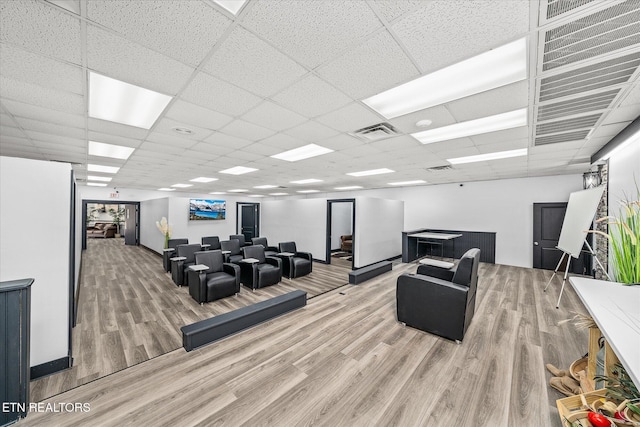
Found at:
<point>219,280</point>
<point>300,264</point>
<point>185,257</point>
<point>233,248</point>
<point>240,238</point>
<point>212,241</point>
<point>266,271</point>
<point>440,300</point>
<point>170,252</point>
<point>268,250</point>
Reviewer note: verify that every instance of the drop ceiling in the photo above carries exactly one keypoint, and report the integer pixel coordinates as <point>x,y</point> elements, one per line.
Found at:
<point>284,74</point>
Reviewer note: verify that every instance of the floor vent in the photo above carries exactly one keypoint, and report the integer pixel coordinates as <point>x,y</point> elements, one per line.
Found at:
<point>562,137</point>
<point>558,7</point>
<point>375,132</point>
<point>599,101</point>
<point>616,27</point>
<point>567,125</point>
<point>440,168</point>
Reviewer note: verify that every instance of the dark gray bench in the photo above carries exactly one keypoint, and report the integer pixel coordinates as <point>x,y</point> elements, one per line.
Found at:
<point>212,329</point>
<point>369,272</point>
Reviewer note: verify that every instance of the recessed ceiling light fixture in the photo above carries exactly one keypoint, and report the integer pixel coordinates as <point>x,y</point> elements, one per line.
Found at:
<point>97,184</point>
<point>306,181</point>
<point>308,191</point>
<point>301,153</point>
<point>424,123</point>
<point>349,187</point>
<point>371,172</point>
<point>238,170</point>
<point>102,168</point>
<point>99,178</point>
<point>417,181</point>
<point>182,185</point>
<point>278,194</point>
<point>255,195</point>
<point>266,186</point>
<point>237,190</point>
<point>232,6</point>
<point>203,179</point>
<point>109,150</point>
<point>218,192</point>
<point>489,156</point>
<point>497,67</point>
<point>120,102</point>
<point>503,121</point>
<point>166,189</point>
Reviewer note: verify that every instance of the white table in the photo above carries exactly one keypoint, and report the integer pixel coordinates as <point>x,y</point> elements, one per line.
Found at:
<point>429,237</point>
<point>616,310</point>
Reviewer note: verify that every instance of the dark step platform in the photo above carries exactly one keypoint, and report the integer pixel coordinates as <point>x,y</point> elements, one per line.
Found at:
<point>212,329</point>
<point>369,272</point>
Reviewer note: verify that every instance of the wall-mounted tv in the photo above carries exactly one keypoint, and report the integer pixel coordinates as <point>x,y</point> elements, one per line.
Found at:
<point>203,209</point>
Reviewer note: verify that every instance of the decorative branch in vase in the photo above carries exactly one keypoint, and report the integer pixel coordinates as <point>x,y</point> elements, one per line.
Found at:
<point>165,229</point>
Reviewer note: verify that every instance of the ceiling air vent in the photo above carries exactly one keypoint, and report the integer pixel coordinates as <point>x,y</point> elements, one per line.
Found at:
<point>375,132</point>
<point>558,7</point>
<point>440,168</point>
<point>600,101</point>
<point>562,137</point>
<point>567,125</point>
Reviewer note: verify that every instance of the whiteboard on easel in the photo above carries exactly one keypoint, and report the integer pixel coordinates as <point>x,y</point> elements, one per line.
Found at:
<point>581,210</point>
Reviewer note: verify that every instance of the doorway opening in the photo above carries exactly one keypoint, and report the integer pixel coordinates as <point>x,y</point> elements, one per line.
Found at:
<point>107,219</point>
<point>248,220</point>
<point>341,221</point>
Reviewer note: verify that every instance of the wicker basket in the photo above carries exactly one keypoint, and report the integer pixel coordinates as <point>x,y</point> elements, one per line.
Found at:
<point>575,408</point>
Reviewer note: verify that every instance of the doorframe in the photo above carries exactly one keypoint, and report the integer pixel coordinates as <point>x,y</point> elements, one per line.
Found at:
<point>107,202</point>
<point>239,212</point>
<point>330,203</point>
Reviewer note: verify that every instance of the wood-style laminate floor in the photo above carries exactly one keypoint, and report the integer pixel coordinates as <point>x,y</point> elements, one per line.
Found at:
<point>344,360</point>
<point>130,311</point>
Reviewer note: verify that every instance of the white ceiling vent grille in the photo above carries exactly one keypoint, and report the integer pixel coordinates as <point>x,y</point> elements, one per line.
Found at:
<point>558,7</point>
<point>440,168</point>
<point>375,132</point>
<point>596,76</point>
<point>562,137</point>
<point>599,101</point>
<point>567,125</point>
<point>606,31</point>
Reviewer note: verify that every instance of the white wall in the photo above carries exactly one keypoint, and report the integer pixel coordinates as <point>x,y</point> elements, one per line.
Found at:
<point>151,211</point>
<point>195,230</point>
<point>35,212</point>
<point>378,234</point>
<point>341,222</point>
<point>303,221</point>
<point>624,176</point>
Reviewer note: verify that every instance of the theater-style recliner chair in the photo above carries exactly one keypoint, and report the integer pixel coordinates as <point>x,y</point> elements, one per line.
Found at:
<point>258,270</point>
<point>212,241</point>
<point>268,250</point>
<point>170,252</point>
<point>294,263</point>
<point>440,300</point>
<point>185,257</point>
<point>231,250</point>
<point>211,278</point>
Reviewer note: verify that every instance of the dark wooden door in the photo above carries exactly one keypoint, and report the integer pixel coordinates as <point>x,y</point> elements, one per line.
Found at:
<point>547,224</point>
<point>249,221</point>
<point>130,225</point>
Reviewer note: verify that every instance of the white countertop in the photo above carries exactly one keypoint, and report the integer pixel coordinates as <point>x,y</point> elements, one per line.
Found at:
<point>435,236</point>
<point>616,310</point>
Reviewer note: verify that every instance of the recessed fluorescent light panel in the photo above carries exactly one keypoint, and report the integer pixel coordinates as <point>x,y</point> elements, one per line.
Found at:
<point>308,191</point>
<point>306,181</point>
<point>238,170</point>
<point>109,150</point>
<point>371,172</point>
<point>218,192</point>
<point>265,187</point>
<point>232,6</point>
<point>278,194</point>
<point>99,178</point>
<point>166,189</point>
<point>512,119</point>
<point>237,190</point>
<point>182,185</point>
<point>498,67</point>
<point>349,187</point>
<point>203,179</point>
<point>120,102</point>
<point>417,181</point>
<point>301,153</point>
<point>102,168</point>
<point>489,156</point>
<point>97,184</point>
<point>255,195</point>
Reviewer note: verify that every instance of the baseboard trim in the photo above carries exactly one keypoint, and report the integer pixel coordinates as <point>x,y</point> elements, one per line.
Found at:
<point>51,367</point>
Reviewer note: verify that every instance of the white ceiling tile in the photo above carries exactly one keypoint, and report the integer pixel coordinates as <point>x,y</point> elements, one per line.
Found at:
<point>206,147</point>
<point>41,28</point>
<point>223,140</point>
<point>501,100</point>
<point>623,114</point>
<point>39,70</point>
<point>152,149</point>
<point>500,136</point>
<point>121,59</point>
<point>54,147</point>
<point>146,22</point>
<point>341,141</point>
<point>191,114</point>
<point>246,130</point>
<point>103,126</point>
<point>608,130</point>
<point>58,139</point>
<point>7,131</point>
<point>273,116</point>
<point>633,96</point>
<point>350,118</point>
<point>393,9</point>
<point>439,117</point>
<point>30,125</point>
<point>311,131</point>
<point>504,146</point>
<point>244,155</point>
<point>211,92</point>
<point>246,61</point>
<point>44,97</point>
<point>46,115</point>
<point>70,5</point>
<point>312,97</point>
<point>444,32</point>
<point>311,32</point>
<point>109,138</point>
<point>170,140</point>
<point>369,68</point>
<point>263,149</point>
<point>399,143</point>
<point>167,126</point>
<point>10,140</point>
<point>282,142</point>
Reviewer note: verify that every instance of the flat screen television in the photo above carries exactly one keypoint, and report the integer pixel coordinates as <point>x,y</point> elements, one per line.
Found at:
<point>204,209</point>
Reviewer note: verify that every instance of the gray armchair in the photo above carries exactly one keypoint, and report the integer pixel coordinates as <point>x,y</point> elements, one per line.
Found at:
<point>185,257</point>
<point>268,250</point>
<point>212,241</point>
<point>296,265</point>
<point>170,252</point>
<point>258,270</point>
<point>215,280</point>
<point>240,238</point>
<point>232,249</point>
<point>440,300</point>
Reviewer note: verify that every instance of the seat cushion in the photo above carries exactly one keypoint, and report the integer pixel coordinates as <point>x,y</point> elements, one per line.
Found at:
<point>301,266</point>
<point>220,285</point>
<point>268,275</point>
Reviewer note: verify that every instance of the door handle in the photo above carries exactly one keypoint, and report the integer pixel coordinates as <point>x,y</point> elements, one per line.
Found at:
<point>535,243</point>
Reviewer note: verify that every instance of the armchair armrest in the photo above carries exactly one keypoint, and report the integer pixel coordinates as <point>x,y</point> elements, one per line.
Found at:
<point>306,255</point>
<point>197,282</point>
<point>234,269</point>
<point>276,262</point>
<point>437,272</point>
<point>178,258</point>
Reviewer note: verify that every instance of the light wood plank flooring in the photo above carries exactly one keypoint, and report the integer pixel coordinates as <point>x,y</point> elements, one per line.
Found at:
<point>344,360</point>
<point>131,311</point>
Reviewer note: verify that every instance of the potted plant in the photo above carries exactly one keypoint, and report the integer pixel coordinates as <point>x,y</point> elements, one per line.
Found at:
<point>165,229</point>
<point>117,215</point>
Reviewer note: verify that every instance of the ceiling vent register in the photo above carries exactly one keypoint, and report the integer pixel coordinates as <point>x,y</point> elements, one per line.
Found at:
<point>558,7</point>
<point>375,132</point>
<point>599,101</point>
<point>440,168</point>
<point>567,125</point>
<point>562,137</point>
<point>616,27</point>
